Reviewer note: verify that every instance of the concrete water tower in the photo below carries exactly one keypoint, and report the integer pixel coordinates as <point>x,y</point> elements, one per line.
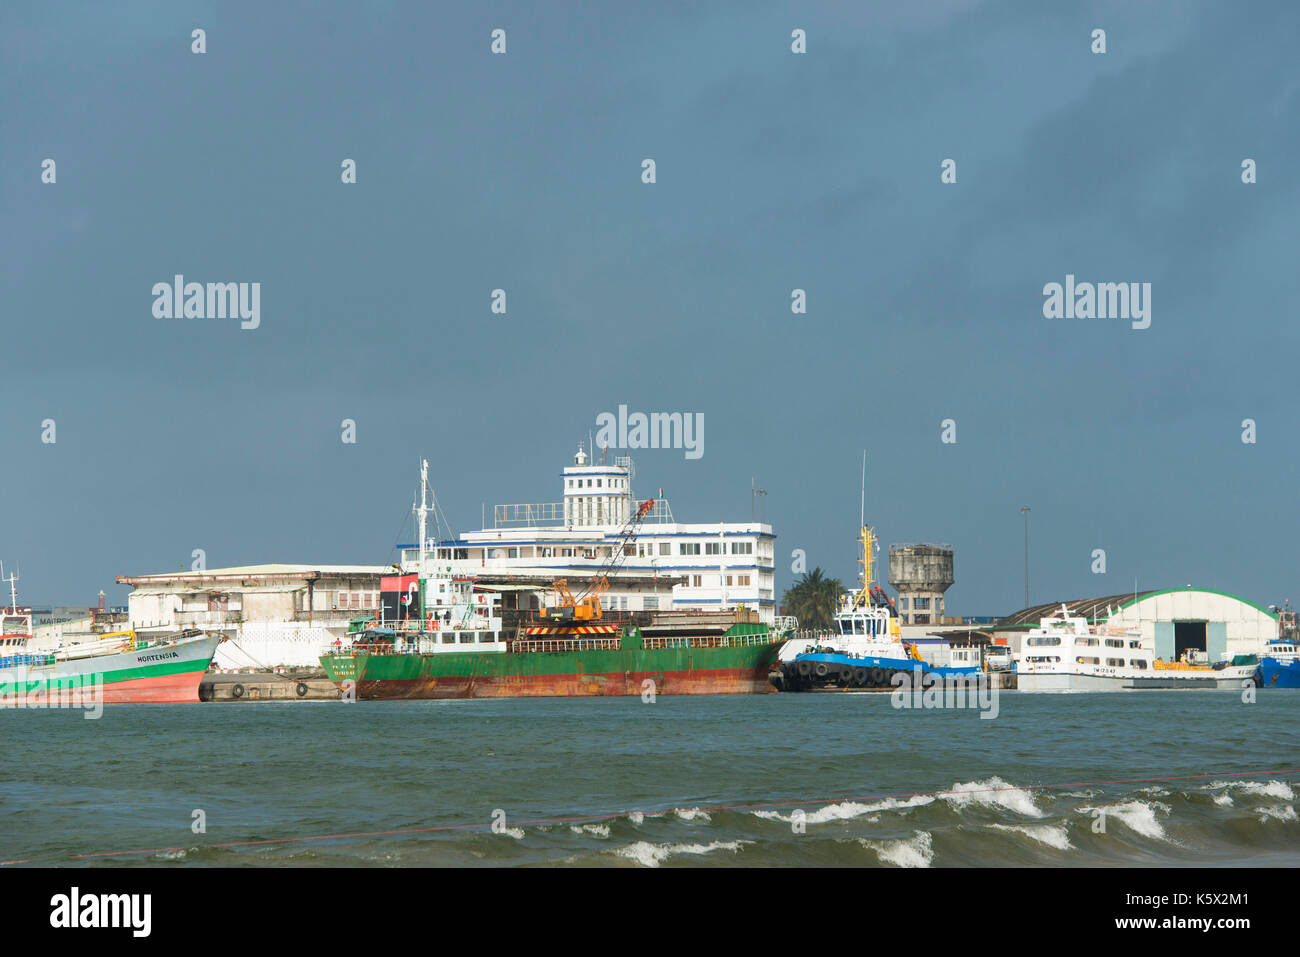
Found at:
<point>920,574</point>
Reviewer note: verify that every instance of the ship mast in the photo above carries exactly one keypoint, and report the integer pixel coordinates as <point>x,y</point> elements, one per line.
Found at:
<point>868,540</point>
<point>422,510</point>
<point>13,591</point>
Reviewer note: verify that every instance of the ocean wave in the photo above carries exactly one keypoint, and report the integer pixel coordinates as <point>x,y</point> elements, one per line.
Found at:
<point>516,832</point>
<point>1285,813</point>
<point>1053,835</point>
<point>847,810</point>
<point>692,814</point>
<point>637,818</point>
<point>1273,789</point>
<point>994,792</point>
<point>914,851</point>
<point>600,830</point>
<point>652,855</point>
<point>1138,816</point>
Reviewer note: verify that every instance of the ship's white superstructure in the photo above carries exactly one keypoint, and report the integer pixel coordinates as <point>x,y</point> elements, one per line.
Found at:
<point>668,565</point>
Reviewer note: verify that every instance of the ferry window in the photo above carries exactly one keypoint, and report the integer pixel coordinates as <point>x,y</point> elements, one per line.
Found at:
<point>448,638</point>
<point>1135,644</point>
<point>1115,662</point>
<point>465,637</point>
<point>512,553</point>
<point>1114,643</point>
<point>689,548</point>
<point>485,637</point>
<point>713,548</point>
<point>1138,663</point>
<point>742,548</point>
<point>664,548</point>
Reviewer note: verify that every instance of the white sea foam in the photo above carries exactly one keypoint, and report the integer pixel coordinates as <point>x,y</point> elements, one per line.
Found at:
<point>516,832</point>
<point>1050,834</point>
<point>692,814</point>
<point>637,818</point>
<point>1274,789</point>
<point>1223,800</point>
<point>1284,813</point>
<point>847,810</point>
<point>652,855</point>
<point>600,830</point>
<point>1138,816</point>
<point>993,793</point>
<point>914,851</point>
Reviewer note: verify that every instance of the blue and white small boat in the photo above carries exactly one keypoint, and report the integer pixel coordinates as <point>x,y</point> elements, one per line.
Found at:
<point>1279,667</point>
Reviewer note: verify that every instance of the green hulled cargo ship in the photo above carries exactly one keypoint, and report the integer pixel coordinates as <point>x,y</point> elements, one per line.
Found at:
<point>441,637</point>
<point>678,653</point>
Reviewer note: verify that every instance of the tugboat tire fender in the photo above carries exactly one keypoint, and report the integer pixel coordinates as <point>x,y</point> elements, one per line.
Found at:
<point>302,689</point>
<point>237,691</point>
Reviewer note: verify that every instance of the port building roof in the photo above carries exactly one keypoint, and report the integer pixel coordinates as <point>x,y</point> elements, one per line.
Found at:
<point>1089,608</point>
<point>1099,608</point>
<point>257,571</point>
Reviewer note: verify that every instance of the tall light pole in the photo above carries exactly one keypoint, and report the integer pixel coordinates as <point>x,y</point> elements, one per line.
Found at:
<point>1024,510</point>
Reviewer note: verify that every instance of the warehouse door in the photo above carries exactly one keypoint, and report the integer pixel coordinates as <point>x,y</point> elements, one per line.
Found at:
<point>1165,640</point>
<point>1188,636</point>
<point>1216,640</point>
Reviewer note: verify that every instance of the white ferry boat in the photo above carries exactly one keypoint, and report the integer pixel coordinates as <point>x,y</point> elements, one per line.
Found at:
<point>1066,653</point>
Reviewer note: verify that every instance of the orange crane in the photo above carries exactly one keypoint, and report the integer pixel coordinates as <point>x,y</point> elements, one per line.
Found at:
<point>585,606</point>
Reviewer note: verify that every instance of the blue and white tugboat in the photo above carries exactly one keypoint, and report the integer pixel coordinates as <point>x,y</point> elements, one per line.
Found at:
<point>865,649</point>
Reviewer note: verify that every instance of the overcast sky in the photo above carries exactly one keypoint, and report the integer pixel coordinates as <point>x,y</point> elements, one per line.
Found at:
<point>775,171</point>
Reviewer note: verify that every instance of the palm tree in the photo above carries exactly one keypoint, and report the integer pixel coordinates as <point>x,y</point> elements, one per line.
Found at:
<point>814,599</point>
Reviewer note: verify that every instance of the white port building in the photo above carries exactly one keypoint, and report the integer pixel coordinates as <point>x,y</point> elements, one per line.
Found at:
<point>667,565</point>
